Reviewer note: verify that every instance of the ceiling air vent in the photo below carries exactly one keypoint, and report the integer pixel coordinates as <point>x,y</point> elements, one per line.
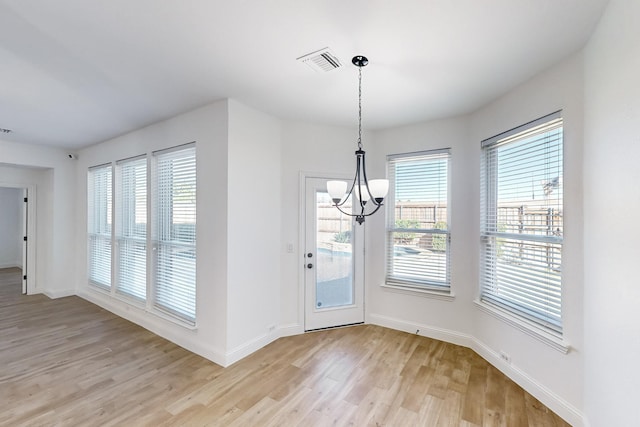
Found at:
<point>322,60</point>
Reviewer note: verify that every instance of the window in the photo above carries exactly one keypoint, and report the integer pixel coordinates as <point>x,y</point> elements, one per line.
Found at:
<point>163,279</point>
<point>131,227</point>
<point>418,229</point>
<point>99,225</point>
<point>522,222</point>
<point>174,232</point>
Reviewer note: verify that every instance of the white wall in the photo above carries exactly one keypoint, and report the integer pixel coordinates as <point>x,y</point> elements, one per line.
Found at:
<point>315,150</point>
<point>207,126</point>
<point>448,319</point>
<point>253,230</point>
<point>601,296</point>
<point>238,232</point>
<point>52,175</point>
<point>10,234</point>
<point>549,374</point>
<point>554,377</point>
<point>612,206</point>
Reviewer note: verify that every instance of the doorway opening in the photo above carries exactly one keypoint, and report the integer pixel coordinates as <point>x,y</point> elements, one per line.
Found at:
<point>333,261</point>
<point>16,225</point>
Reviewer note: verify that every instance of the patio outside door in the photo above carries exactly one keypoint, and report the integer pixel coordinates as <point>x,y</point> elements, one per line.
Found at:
<point>333,261</point>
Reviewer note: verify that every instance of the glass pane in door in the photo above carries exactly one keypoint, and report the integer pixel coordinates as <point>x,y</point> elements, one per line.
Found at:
<point>334,272</point>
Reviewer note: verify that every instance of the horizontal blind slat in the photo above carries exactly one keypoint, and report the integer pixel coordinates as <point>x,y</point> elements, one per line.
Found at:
<point>175,233</point>
<point>522,222</point>
<point>99,214</point>
<point>131,228</point>
<point>418,235</point>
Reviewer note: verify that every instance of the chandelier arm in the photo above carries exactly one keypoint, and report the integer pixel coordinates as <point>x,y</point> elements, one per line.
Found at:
<point>366,183</point>
<point>346,213</point>
<point>361,214</point>
<point>337,205</point>
<point>346,196</point>
<point>375,210</point>
<point>358,177</point>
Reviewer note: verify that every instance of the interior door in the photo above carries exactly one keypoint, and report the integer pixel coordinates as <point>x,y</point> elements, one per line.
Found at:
<point>25,243</point>
<point>333,261</point>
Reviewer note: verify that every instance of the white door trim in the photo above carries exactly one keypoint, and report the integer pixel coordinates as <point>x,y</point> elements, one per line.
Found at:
<point>31,234</point>
<point>302,260</point>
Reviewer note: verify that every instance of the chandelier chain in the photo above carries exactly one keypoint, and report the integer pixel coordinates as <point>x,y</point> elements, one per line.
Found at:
<point>360,108</point>
<point>369,195</point>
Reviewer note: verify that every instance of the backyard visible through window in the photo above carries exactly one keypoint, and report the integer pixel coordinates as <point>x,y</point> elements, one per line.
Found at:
<point>522,221</point>
<point>418,215</point>
<point>334,272</point>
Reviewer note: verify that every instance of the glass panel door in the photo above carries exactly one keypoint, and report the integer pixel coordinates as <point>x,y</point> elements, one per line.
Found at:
<point>333,261</point>
<point>334,265</point>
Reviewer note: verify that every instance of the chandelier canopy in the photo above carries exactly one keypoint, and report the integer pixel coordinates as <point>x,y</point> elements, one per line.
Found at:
<point>365,191</point>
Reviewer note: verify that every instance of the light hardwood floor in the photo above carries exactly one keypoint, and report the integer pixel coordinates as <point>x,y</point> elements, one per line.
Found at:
<point>67,362</point>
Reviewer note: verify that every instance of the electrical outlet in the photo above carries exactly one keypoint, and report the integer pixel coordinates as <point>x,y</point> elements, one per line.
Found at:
<point>505,356</point>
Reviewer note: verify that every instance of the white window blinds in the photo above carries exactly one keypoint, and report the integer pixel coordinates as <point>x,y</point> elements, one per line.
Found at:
<point>131,227</point>
<point>522,222</point>
<point>99,225</point>
<point>418,215</point>
<point>174,232</point>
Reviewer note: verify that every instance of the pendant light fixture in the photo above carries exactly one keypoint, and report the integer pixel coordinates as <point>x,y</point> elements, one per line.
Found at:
<point>365,191</point>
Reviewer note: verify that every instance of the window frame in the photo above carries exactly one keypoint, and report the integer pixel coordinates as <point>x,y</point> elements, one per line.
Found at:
<point>519,309</point>
<point>96,232</point>
<point>115,236</point>
<point>423,286</point>
<point>187,315</point>
<point>123,237</point>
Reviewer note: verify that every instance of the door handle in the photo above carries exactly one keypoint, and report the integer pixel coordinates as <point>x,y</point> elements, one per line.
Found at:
<point>309,265</point>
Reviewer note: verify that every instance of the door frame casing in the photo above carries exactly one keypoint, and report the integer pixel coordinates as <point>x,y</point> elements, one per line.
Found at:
<point>303,175</point>
<point>31,234</point>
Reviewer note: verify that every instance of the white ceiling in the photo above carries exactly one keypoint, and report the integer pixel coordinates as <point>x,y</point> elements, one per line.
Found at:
<point>77,72</point>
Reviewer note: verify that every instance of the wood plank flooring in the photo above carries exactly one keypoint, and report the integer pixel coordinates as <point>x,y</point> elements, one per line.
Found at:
<point>67,362</point>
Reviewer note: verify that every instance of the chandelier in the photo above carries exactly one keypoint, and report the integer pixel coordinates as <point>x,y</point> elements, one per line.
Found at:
<point>364,191</point>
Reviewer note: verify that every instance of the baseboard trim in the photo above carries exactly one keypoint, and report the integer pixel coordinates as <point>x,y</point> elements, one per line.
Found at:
<point>185,338</point>
<point>441,334</point>
<point>10,265</point>
<point>59,294</point>
<point>564,409</point>
<point>554,402</point>
<point>290,330</point>
<point>249,347</point>
<point>189,341</point>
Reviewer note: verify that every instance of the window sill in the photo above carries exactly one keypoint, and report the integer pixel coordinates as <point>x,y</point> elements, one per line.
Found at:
<point>415,291</point>
<point>106,290</point>
<point>554,341</point>
<point>173,319</point>
<point>141,307</point>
